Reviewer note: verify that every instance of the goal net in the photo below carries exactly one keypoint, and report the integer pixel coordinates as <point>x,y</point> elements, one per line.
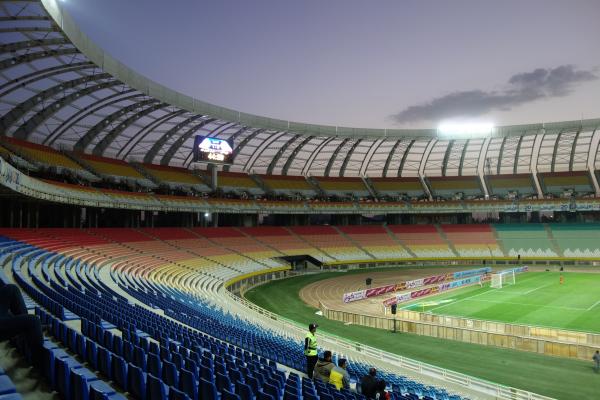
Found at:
<point>502,279</point>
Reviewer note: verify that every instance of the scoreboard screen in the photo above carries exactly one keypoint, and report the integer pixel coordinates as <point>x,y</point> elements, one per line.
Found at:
<point>213,150</point>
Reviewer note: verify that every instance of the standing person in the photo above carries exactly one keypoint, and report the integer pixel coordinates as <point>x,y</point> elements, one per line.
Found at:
<point>368,384</point>
<point>15,321</point>
<point>562,279</point>
<point>339,377</point>
<point>310,349</point>
<point>596,359</point>
<point>380,393</point>
<point>323,367</point>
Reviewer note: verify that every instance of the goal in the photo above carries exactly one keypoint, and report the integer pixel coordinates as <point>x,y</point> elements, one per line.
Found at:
<point>502,279</point>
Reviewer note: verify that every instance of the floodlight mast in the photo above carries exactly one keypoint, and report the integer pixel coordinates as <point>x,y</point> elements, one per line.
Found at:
<point>465,130</point>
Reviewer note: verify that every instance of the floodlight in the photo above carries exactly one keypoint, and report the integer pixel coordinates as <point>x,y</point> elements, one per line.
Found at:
<point>465,130</point>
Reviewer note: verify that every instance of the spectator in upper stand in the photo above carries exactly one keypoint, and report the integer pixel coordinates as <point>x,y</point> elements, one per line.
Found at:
<point>323,367</point>
<point>310,349</point>
<point>368,384</point>
<point>15,321</point>
<point>339,377</point>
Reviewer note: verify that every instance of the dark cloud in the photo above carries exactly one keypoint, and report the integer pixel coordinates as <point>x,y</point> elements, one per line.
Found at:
<point>520,89</point>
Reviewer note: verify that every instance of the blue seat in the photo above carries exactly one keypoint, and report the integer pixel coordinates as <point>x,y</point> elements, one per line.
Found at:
<point>6,385</point>
<point>139,358</point>
<point>63,368</point>
<point>235,375</point>
<point>223,383</point>
<point>264,396</point>
<point>288,395</point>
<point>100,390</point>
<point>207,390</point>
<point>136,381</point>
<point>253,383</point>
<point>104,362</point>
<point>187,384</point>
<point>81,346</point>
<point>244,391</point>
<point>309,396</point>
<point>170,376</point>
<point>177,359</point>
<point>81,379</point>
<point>49,357</point>
<point>107,340</point>
<point>271,389</point>
<point>11,396</point>
<point>227,395</point>
<point>128,351</point>
<point>175,394</point>
<point>117,345</point>
<point>155,388</point>
<point>206,373</point>
<point>191,365</point>
<point>154,365</point>
<point>91,354</point>
<point>119,372</point>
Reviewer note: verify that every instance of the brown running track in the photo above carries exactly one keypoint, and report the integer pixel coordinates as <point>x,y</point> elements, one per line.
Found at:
<point>330,291</point>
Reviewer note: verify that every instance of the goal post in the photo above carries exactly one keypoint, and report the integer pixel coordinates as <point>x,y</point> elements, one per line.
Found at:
<point>502,279</point>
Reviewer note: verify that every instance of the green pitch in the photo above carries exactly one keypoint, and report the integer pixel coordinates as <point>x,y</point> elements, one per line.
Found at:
<point>537,298</point>
<point>556,377</point>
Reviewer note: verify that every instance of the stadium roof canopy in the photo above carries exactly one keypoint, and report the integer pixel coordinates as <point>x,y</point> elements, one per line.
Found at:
<point>60,89</point>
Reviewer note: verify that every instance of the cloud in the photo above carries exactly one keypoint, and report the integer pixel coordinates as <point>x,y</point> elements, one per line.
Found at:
<point>521,88</point>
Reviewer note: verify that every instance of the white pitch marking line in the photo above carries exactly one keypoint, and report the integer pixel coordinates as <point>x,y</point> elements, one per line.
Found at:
<point>593,305</point>
<point>535,305</point>
<point>458,301</point>
<point>537,288</point>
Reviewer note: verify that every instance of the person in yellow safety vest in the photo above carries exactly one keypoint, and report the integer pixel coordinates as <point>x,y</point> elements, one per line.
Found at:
<point>310,349</point>
<point>339,376</point>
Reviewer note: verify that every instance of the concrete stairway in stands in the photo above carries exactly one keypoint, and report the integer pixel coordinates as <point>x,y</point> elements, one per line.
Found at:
<point>313,182</point>
<point>230,249</point>
<point>354,242</point>
<point>448,242</point>
<point>257,240</point>
<point>310,245</point>
<point>555,246</point>
<point>138,167</point>
<point>498,241</point>
<point>260,183</point>
<point>400,242</point>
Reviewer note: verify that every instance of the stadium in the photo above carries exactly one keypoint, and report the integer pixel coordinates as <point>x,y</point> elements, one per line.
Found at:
<point>175,249</point>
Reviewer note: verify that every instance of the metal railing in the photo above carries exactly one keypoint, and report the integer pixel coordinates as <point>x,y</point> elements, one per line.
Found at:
<point>486,388</point>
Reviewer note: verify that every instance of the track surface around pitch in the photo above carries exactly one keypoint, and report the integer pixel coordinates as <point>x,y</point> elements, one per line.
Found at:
<point>330,291</point>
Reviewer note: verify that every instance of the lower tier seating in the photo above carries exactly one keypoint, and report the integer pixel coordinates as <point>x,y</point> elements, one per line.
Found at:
<point>160,332</point>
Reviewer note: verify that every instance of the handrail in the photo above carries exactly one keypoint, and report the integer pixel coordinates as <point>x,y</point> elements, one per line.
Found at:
<point>468,382</point>
<point>19,182</point>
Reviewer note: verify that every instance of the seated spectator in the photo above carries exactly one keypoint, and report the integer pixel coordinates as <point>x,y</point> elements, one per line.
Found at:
<point>339,377</point>
<point>15,321</point>
<point>368,384</point>
<point>323,367</point>
<point>380,393</point>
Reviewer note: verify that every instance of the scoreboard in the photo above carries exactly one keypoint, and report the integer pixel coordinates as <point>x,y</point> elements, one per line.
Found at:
<point>212,150</point>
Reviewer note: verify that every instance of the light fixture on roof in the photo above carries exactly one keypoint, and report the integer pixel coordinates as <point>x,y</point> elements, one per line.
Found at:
<point>454,130</point>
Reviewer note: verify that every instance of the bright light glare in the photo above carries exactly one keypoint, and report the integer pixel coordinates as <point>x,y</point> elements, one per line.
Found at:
<point>465,130</point>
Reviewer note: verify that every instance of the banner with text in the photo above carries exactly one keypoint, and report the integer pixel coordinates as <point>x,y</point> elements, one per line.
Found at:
<point>433,290</point>
<point>416,283</point>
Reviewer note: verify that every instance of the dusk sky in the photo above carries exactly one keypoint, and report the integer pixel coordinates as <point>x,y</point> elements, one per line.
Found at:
<point>377,64</point>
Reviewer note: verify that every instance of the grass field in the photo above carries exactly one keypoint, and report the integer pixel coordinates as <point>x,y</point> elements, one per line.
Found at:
<point>537,298</point>
<point>560,378</point>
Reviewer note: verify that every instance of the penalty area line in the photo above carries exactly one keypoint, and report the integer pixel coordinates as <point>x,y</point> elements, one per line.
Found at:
<point>593,305</point>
